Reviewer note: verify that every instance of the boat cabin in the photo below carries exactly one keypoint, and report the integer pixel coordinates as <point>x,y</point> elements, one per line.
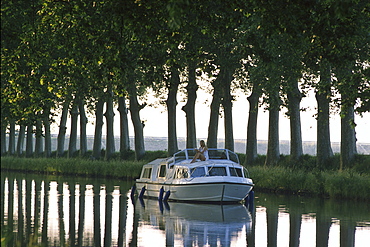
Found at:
<point>221,162</point>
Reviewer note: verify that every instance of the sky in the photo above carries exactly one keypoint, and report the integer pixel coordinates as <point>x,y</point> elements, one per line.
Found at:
<point>156,121</point>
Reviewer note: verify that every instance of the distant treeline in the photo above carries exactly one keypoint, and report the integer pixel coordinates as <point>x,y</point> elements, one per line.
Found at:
<point>61,58</point>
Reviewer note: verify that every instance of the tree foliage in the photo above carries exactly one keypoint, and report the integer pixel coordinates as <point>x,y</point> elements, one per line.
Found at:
<point>53,52</point>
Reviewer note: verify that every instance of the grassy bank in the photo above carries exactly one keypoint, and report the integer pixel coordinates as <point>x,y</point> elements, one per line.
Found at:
<point>334,184</point>
<point>302,178</point>
<point>74,166</point>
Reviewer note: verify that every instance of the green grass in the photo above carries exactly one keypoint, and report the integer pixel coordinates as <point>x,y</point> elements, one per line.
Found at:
<point>302,177</point>
<point>335,184</point>
<point>74,166</point>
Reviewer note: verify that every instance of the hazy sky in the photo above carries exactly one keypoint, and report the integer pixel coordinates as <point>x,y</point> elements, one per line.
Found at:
<point>156,121</point>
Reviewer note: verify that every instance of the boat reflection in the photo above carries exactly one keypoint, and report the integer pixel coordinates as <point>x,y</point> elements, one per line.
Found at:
<point>188,224</point>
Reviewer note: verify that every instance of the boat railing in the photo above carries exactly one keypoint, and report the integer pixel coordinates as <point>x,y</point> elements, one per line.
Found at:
<point>213,153</point>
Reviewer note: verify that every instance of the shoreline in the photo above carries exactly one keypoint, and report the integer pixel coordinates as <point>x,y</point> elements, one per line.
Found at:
<point>346,184</point>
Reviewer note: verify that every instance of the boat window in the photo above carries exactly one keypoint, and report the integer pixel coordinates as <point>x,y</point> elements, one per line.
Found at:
<point>162,171</point>
<point>147,172</point>
<point>181,173</point>
<point>217,171</point>
<point>197,172</point>
<point>235,172</point>
<point>233,157</point>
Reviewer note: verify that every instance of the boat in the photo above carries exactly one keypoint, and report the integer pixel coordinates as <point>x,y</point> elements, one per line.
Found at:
<point>220,178</point>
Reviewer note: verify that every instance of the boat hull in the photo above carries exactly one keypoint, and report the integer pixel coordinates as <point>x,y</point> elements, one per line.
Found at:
<point>201,192</point>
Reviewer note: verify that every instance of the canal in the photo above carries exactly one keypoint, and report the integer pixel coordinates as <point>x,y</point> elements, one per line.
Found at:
<point>63,211</point>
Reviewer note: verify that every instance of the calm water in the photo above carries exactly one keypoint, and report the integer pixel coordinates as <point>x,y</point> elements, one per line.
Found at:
<point>56,211</point>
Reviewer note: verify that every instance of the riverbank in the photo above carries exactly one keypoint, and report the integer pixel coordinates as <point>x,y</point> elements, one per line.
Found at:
<point>304,179</point>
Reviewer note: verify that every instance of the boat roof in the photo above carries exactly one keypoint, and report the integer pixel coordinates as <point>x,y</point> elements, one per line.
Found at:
<point>184,157</point>
<point>205,163</point>
<point>213,153</point>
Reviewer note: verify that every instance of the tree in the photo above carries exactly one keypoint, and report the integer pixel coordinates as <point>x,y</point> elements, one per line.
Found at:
<point>99,105</point>
<point>339,38</point>
<point>273,151</point>
<point>109,116</point>
<point>323,146</point>
<point>62,129</point>
<point>124,131</point>
<point>189,107</point>
<point>251,147</point>
<point>171,104</point>
<point>135,109</point>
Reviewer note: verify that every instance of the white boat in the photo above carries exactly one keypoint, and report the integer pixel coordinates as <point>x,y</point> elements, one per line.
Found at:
<point>219,179</point>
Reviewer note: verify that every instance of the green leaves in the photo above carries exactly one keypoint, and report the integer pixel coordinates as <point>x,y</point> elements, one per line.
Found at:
<point>53,49</point>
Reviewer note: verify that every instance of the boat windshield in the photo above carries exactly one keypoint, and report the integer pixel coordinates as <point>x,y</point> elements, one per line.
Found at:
<point>236,172</point>
<point>181,173</point>
<point>197,172</point>
<point>217,171</point>
<point>213,153</point>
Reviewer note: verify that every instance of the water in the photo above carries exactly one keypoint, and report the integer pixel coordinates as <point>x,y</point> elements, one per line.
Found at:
<point>57,211</point>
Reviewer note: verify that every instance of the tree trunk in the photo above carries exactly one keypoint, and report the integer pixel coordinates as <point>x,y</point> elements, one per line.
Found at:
<point>171,103</point>
<point>62,129</point>
<point>273,153</point>
<point>124,132</point>
<point>228,110</point>
<point>83,123</point>
<point>323,146</point>
<point>3,137</point>
<point>11,149</point>
<point>189,108</point>
<point>215,110</point>
<point>251,148</point>
<point>294,100</point>
<point>47,133</point>
<point>109,117</point>
<point>20,142</point>
<point>348,137</point>
<point>72,148</point>
<point>29,141</point>
<point>98,129</point>
<point>135,108</point>
<point>39,143</point>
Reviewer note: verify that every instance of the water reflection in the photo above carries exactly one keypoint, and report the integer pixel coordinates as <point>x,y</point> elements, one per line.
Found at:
<point>193,224</point>
<point>86,212</point>
<point>304,221</point>
<point>62,212</point>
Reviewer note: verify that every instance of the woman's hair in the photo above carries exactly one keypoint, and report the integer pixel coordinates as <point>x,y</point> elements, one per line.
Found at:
<point>202,142</point>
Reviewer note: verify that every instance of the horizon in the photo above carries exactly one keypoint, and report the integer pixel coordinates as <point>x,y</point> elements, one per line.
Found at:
<point>160,143</point>
<point>155,120</point>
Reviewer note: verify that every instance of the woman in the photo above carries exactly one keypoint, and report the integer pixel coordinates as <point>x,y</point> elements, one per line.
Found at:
<point>202,152</point>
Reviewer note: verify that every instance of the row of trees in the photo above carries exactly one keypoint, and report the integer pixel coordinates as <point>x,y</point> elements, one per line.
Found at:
<point>62,56</point>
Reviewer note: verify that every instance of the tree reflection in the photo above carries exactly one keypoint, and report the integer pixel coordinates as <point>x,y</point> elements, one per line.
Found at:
<point>108,215</point>
<point>72,214</point>
<point>323,224</point>
<point>81,218</point>
<point>53,211</point>
<point>97,237</point>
